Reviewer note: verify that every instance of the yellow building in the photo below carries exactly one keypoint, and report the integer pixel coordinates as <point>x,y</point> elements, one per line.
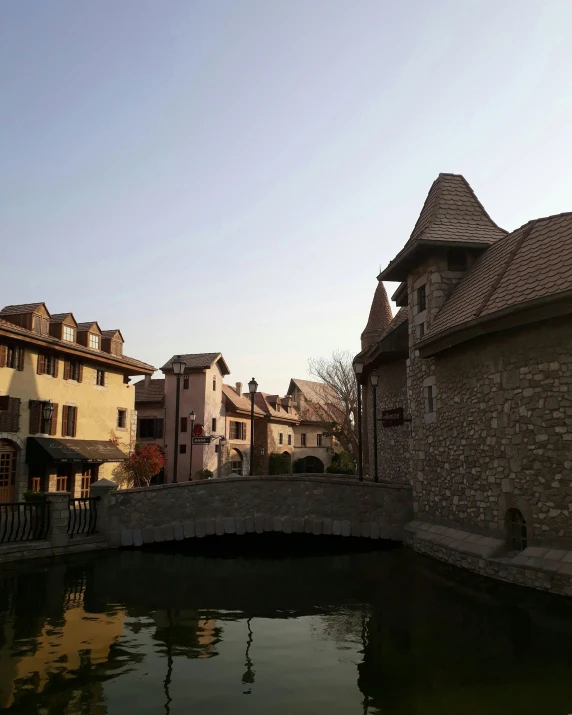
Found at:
<point>67,411</point>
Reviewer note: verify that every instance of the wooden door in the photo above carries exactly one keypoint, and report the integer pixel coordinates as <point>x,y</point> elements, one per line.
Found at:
<point>8,461</point>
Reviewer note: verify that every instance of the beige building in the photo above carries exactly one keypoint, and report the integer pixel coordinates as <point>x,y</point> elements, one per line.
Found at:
<point>475,371</point>
<point>67,411</point>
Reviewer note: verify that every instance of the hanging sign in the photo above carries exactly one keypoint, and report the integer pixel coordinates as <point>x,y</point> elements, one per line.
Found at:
<point>205,439</point>
<point>392,418</point>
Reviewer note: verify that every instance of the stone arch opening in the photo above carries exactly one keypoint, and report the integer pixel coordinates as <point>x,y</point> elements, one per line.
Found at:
<point>516,530</point>
<point>9,452</point>
<point>236,461</point>
<point>313,465</point>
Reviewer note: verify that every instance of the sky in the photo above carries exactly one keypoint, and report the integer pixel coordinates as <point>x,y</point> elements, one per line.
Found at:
<point>229,175</point>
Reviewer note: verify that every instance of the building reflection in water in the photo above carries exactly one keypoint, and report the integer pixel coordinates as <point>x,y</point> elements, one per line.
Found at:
<point>248,677</point>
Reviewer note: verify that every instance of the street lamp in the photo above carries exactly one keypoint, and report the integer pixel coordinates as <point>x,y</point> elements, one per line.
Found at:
<point>192,418</point>
<point>178,368</point>
<point>374,379</point>
<point>358,369</point>
<point>47,412</point>
<point>252,387</point>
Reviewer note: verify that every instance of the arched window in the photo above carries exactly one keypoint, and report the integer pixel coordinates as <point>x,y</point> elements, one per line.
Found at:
<point>516,530</point>
<point>235,461</point>
<point>8,460</point>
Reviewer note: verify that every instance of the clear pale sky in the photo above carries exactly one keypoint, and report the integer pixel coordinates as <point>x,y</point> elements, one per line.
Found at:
<point>229,176</point>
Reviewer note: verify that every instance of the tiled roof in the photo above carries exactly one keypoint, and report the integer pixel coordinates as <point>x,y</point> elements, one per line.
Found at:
<point>369,352</point>
<point>240,402</point>
<point>58,317</point>
<point>20,309</point>
<point>314,390</point>
<point>451,213</point>
<point>198,361</point>
<point>261,401</point>
<point>154,392</point>
<point>49,340</point>
<point>379,315</point>
<point>533,262</point>
<point>111,333</point>
<point>398,319</point>
<point>82,327</point>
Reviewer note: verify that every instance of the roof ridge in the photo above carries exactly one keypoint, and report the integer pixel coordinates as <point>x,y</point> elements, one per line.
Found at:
<point>482,207</point>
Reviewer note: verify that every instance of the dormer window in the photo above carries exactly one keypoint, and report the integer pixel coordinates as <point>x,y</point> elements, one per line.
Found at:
<point>69,334</point>
<point>116,347</point>
<point>41,325</point>
<point>94,341</point>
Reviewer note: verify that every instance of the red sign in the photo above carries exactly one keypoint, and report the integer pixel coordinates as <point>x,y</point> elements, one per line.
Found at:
<point>198,430</point>
<point>392,418</point>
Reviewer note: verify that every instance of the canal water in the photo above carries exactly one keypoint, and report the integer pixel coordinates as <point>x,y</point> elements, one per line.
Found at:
<point>307,625</point>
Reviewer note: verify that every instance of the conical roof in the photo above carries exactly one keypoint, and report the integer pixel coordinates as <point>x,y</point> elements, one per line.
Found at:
<point>380,317</point>
<point>451,215</point>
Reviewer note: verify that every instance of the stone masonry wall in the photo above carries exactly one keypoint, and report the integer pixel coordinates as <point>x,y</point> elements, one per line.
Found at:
<point>501,435</point>
<point>392,442</point>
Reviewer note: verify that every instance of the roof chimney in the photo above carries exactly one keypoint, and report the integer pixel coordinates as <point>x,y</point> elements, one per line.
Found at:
<point>147,382</point>
<point>239,389</point>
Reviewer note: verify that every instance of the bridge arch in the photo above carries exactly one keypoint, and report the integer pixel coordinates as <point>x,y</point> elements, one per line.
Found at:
<point>311,504</point>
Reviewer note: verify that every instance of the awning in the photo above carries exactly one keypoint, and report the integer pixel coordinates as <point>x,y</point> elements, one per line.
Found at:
<point>72,450</point>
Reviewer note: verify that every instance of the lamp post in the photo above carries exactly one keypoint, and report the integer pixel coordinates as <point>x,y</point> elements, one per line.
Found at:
<point>178,368</point>
<point>252,387</point>
<point>192,418</point>
<point>374,379</point>
<point>358,369</point>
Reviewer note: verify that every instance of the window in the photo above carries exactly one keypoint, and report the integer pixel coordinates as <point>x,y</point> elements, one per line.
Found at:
<point>182,449</point>
<point>421,299</point>
<point>303,440</point>
<point>150,428</point>
<point>14,357</point>
<point>116,347</point>
<point>319,438</point>
<point>290,439</point>
<point>184,424</point>
<point>69,333</point>
<point>457,260</point>
<point>100,378</point>
<point>45,326</point>
<point>37,324</point>
<point>121,419</point>
<point>235,462</point>
<point>214,382</point>
<point>185,383</point>
<point>516,530</point>
<point>430,399</point>
<point>281,438</point>
<point>69,421</point>
<point>47,365</point>
<point>73,370</point>
<point>213,424</point>
<point>237,430</point>
<point>94,341</point>
<point>421,330</point>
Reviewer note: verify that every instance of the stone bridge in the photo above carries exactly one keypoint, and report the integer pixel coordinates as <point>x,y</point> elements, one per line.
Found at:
<point>299,503</point>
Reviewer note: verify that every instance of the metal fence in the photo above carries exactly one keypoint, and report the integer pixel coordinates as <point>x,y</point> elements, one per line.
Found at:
<point>24,521</point>
<point>82,518</point>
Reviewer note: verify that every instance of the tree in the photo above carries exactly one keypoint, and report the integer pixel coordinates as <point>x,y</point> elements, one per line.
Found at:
<point>141,465</point>
<point>335,403</point>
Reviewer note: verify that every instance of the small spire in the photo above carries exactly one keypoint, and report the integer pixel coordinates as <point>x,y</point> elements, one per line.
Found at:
<point>380,317</point>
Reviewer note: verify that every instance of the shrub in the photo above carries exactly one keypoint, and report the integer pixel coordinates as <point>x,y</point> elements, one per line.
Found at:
<point>278,463</point>
<point>31,496</point>
<point>342,463</point>
<point>204,473</point>
<point>141,466</point>
<point>299,466</point>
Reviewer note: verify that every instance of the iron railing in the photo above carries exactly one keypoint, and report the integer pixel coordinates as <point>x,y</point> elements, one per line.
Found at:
<point>82,518</point>
<point>24,521</point>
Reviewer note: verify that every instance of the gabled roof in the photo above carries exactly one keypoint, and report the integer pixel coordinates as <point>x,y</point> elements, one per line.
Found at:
<point>22,309</point>
<point>198,361</point>
<point>153,393</point>
<point>86,326</point>
<point>263,403</point>
<point>452,215</point>
<point>532,264</point>
<point>60,317</point>
<point>379,316</point>
<point>241,403</point>
<point>313,390</point>
<point>111,334</point>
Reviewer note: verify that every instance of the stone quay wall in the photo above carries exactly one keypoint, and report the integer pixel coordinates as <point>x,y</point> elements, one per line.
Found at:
<point>237,505</point>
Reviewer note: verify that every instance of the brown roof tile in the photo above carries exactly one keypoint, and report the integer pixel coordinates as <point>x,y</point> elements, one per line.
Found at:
<point>20,309</point>
<point>535,261</point>
<point>198,361</point>
<point>240,402</point>
<point>59,317</point>
<point>154,392</point>
<point>379,316</point>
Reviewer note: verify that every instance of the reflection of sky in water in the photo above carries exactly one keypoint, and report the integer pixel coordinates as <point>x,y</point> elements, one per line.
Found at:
<point>376,633</point>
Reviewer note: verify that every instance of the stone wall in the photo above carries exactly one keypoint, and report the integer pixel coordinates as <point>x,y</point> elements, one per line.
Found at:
<point>293,503</point>
<point>501,435</point>
<point>392,442</point>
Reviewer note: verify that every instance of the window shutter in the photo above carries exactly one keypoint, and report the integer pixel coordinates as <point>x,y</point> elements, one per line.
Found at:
<point>41,364</point>
<point>74,425</point>
<point>21,355</point>
<point>53,426</point>
<point>243,430</point>
<point>56,366</point>
<point>3,355</point>
<point>67,370</point>
<point>35,417</point>
<point>158,432</point>
<point>80,373</point>
<point>14,414</point>
<point>65,410</point>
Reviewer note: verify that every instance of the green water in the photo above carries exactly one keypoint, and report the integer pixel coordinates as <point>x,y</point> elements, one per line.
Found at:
<point>283,631</point>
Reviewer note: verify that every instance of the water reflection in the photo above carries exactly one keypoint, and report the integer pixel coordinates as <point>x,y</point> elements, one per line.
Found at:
<point>328,633</point>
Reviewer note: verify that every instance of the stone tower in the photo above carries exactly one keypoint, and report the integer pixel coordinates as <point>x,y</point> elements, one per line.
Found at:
<point>379,317</point>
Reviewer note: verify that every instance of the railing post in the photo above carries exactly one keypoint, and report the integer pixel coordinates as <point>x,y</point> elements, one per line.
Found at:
<point>104,489</point>
<point>59,505</point>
